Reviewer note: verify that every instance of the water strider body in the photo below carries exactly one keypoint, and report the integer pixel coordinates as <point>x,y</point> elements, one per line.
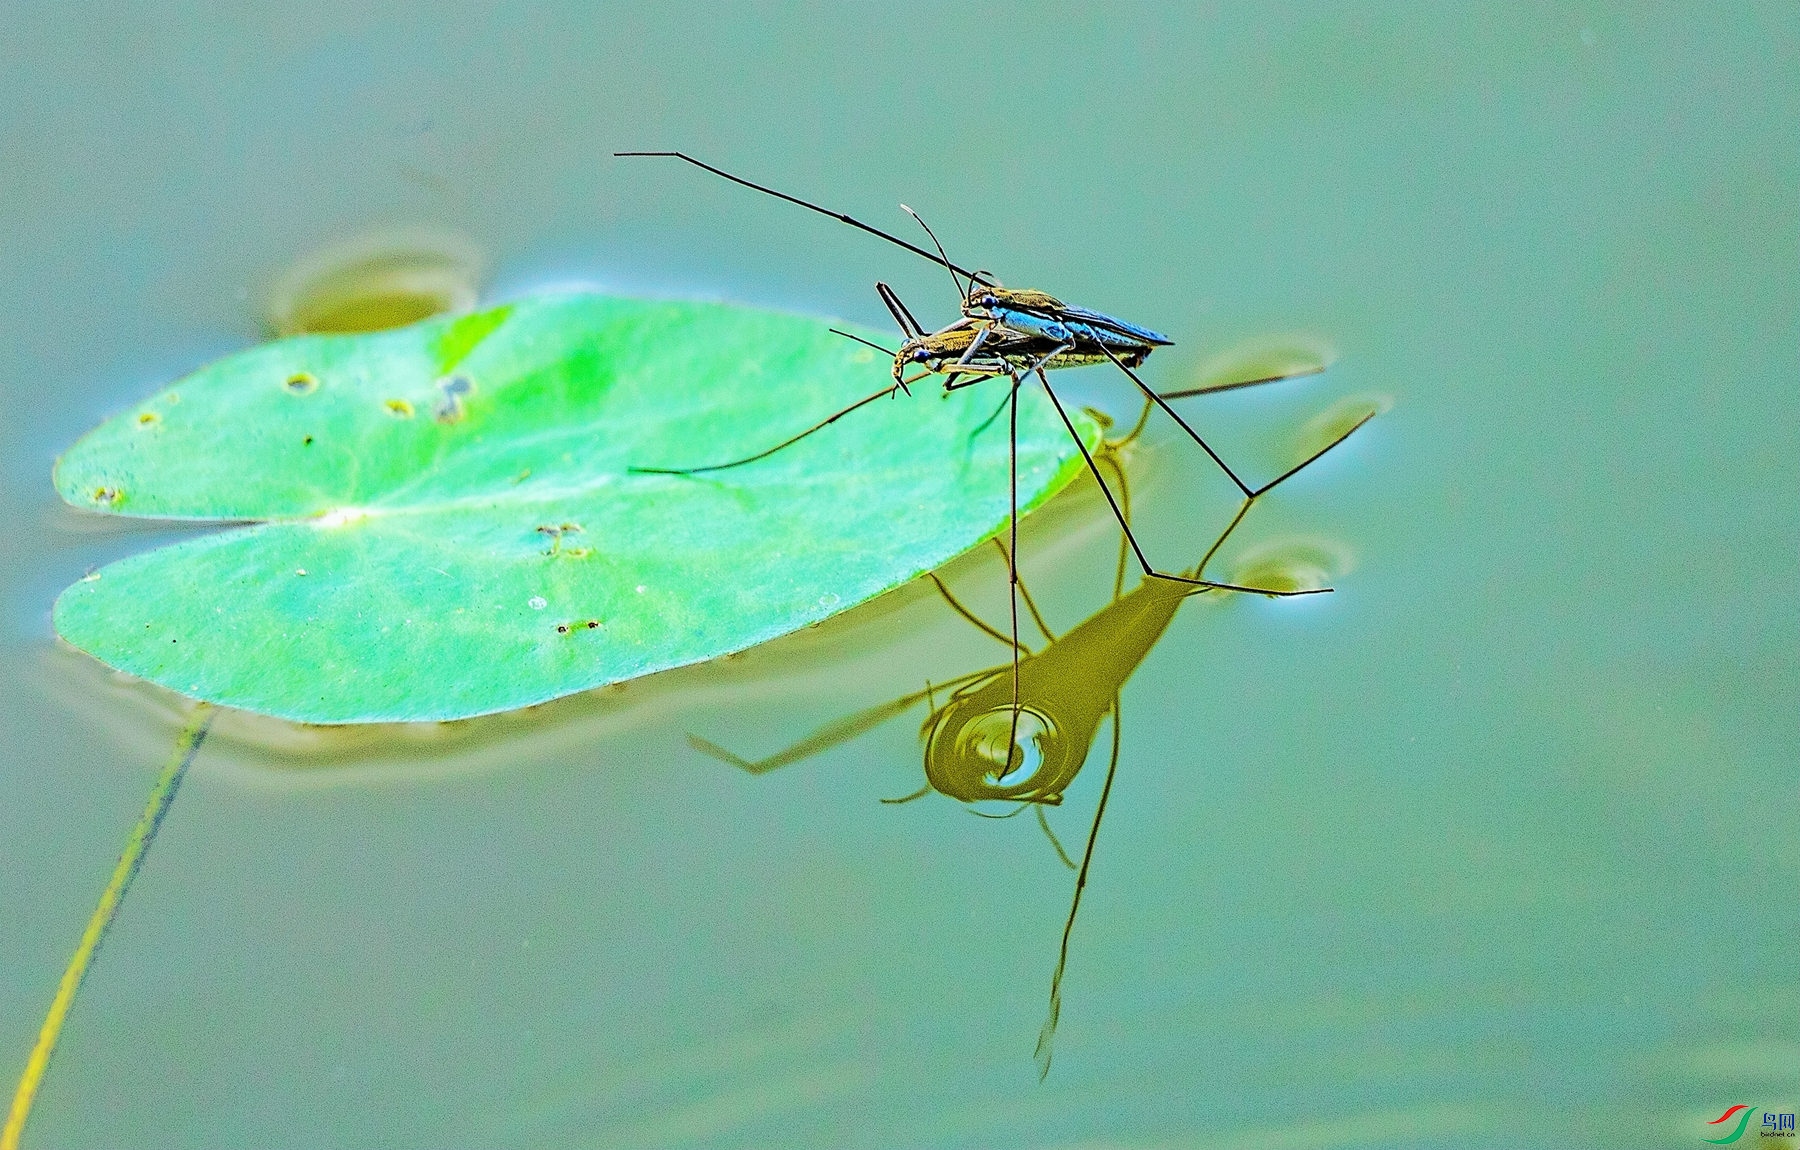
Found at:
<point>980,349</point>
<point>1028,312</point>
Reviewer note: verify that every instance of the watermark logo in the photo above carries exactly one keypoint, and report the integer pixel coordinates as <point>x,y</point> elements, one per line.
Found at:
<point>1775,1124</point>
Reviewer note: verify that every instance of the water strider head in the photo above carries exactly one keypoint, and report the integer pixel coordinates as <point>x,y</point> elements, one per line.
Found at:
<point>986,301</point>
<point>940,353</point>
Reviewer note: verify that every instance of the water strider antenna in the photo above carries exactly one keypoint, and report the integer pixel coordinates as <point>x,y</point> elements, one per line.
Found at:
<point>961,291</point>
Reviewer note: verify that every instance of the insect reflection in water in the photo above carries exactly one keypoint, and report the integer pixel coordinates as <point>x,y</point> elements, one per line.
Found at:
<point>983,747</point>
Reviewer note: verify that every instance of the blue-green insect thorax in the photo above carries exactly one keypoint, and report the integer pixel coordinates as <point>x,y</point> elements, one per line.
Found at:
<point>1077,324</point>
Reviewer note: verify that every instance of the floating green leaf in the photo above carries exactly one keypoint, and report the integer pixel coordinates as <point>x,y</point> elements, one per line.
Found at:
<point>444,523</point>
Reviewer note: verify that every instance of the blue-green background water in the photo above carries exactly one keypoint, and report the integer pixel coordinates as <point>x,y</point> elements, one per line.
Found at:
<point>1494,847</point>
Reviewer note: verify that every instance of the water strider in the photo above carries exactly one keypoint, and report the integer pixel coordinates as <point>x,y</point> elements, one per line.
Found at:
<point>1011,316</point>
<point>1013,334</point>
<point>986,304</point>
<point>1023,737</point>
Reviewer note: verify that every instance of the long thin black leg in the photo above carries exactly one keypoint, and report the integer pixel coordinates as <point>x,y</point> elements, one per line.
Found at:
<point>1044,825</point>
<point>831,734</point>
<point>1175,415</point>
<point>839,216</point>
<point>985,375</point>
<point>1025,594</point>
<point>1210,388</point>
<point>1112,462</point>
<point>819,426</point>
<point>1309,460</point>
<point>1047,1036</point>
<point>1012,566</point>
<point>1244,508</point>
<point>1136,549</point>
<point>983,425</point>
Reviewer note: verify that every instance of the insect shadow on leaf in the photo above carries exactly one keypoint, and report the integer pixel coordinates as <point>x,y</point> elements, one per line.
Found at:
<point>1021,732</point>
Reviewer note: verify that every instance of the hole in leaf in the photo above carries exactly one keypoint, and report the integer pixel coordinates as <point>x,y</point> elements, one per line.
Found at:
<point>301,383</point>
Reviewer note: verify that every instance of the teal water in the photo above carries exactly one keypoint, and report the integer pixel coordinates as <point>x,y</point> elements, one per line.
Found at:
<point>1494,847</point>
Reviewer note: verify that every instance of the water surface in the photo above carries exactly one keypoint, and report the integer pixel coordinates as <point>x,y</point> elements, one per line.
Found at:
<point>1493,847</point>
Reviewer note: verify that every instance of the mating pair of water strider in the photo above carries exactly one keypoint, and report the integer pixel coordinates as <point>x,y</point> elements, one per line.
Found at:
<point>1015,334</point>
<point>1023,737</point>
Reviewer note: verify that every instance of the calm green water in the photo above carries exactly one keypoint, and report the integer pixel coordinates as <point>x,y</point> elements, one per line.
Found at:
<point>1494,847</point>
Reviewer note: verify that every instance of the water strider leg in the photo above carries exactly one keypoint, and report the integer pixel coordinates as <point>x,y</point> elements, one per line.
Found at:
<point>1047,1036</point>
<point>1012,519</point>
<point>1143,561</point>
<point>1111,460</point>
<point>918,794</point>
<point>1160,398</point>
<point>1176,416</point>
<point>1044,823</point>
<point>909,327</point>
<point>830,735</point>
<point>974,346</point>
<point>1012,567</point>
<point>1025,594</point>
<point>1210,388</point>
<point>786,443</point>
<point>967,358</point>
<point>1244,507</point>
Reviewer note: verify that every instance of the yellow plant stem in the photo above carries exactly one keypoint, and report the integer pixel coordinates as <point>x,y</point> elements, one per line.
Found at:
<point>187,744</point>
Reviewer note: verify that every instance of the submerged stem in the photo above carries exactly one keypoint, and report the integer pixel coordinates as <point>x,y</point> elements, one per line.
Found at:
<point>187,745</point>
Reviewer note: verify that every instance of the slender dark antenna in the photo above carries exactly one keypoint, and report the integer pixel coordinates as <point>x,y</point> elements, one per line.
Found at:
<point>839,216</point>
<point>961,291</point>
<point>864,342</point>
